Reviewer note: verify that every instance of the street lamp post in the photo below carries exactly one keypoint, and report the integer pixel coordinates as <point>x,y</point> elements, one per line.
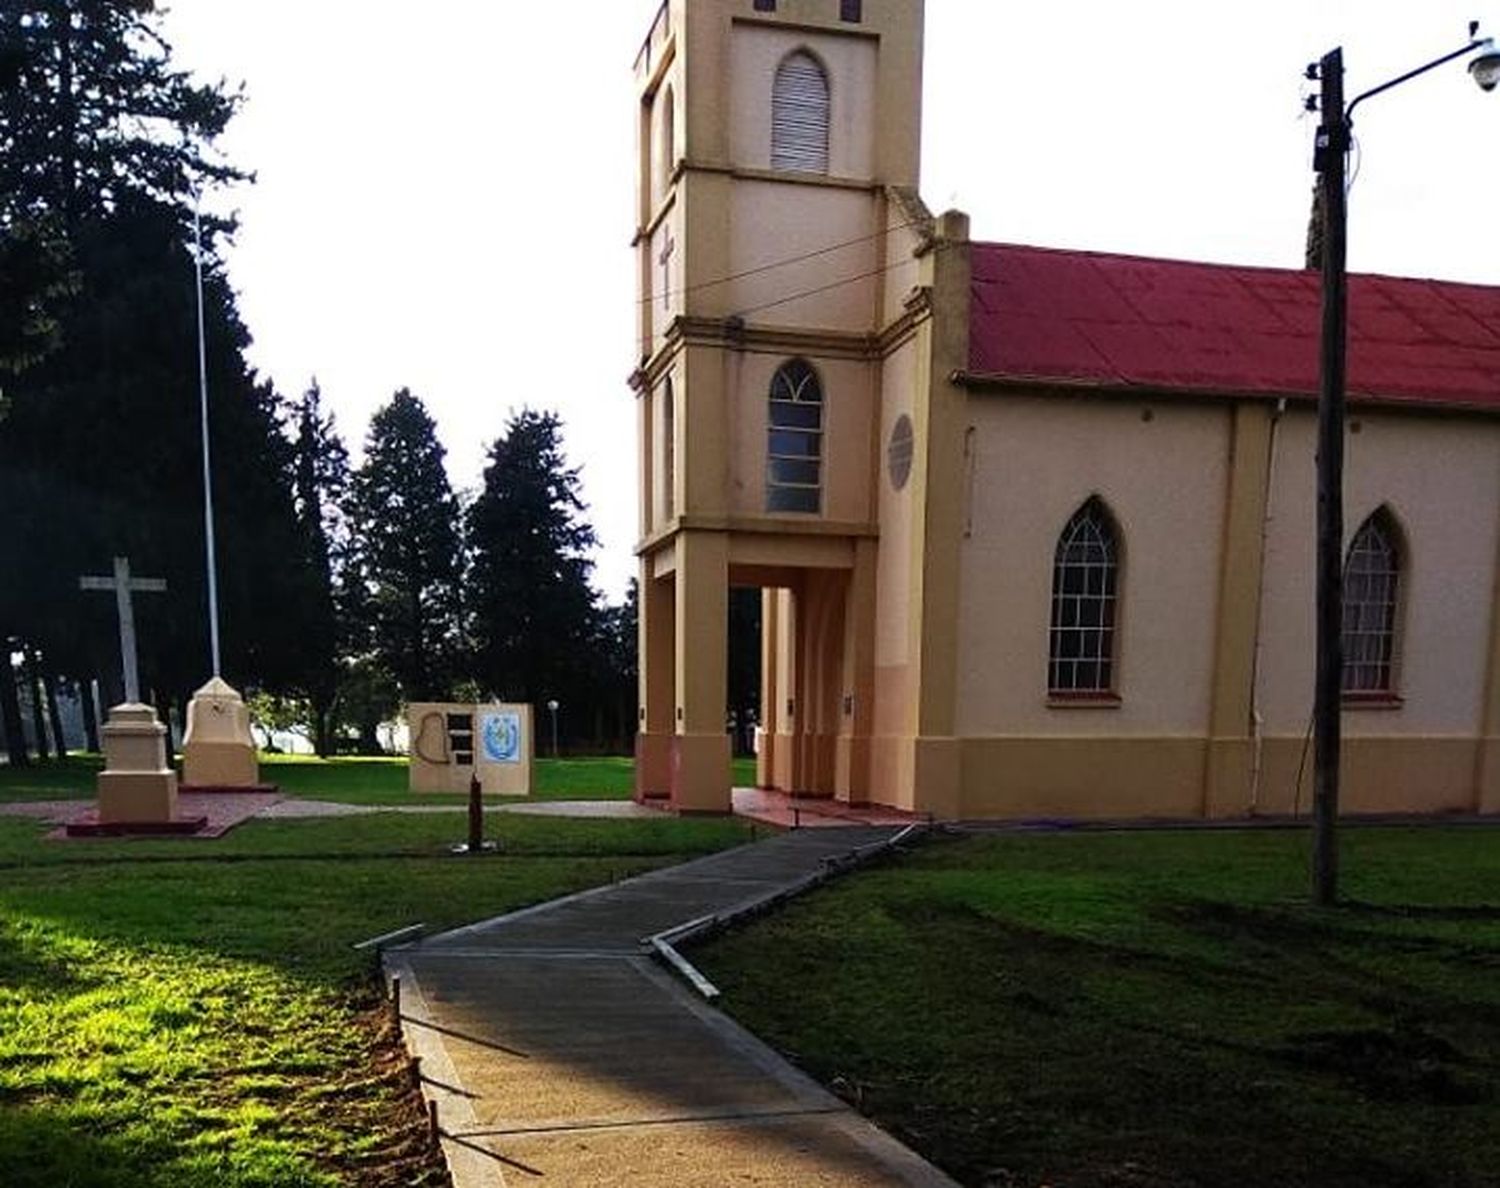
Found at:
<point>552,706</point>
<point>1329,160</point>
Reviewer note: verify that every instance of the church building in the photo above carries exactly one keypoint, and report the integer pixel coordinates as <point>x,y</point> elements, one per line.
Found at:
<point>1033,528</point>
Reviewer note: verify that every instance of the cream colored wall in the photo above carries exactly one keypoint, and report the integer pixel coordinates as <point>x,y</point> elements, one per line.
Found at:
<point>902,270</point>
<point>848,414</point>
<point>850,62</point>
<point>1035,460</point>
<point>1440,477</point>
<point>664,305</point>
<point>772,223</point>
<point>893,575</point>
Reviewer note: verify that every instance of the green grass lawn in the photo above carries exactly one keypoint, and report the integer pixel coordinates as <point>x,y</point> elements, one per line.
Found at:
<point>184,1013</point>
<point>353,780</point>
<point>1088,1010</point>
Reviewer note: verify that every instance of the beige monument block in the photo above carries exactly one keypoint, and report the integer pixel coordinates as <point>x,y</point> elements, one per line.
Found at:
<point>441,746</point>
<point>218,749</point>
<point>136,785</point>
<point>451,742</point>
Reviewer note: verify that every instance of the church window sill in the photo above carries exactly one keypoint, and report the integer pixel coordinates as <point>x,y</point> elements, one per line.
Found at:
<point>1373,701</point>
<point>1082,699</point>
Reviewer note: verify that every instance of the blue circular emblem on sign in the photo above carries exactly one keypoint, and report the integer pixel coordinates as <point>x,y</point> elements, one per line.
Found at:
<point>500,736</point>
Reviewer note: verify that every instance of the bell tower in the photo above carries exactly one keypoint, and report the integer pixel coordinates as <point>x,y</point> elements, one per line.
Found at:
<point>776,141</point>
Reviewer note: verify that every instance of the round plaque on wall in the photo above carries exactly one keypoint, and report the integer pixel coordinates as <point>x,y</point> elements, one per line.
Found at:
<point>898,452</point>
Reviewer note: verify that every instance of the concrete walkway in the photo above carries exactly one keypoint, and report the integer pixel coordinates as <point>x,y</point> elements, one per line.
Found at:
<point>556,1049</point>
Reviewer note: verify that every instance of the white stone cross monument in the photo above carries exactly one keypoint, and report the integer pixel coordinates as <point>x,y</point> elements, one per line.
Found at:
<point>124,586</point>
<point>137,787</point>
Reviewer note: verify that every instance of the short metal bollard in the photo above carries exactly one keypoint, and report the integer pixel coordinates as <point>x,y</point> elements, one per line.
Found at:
<point>476,816</point>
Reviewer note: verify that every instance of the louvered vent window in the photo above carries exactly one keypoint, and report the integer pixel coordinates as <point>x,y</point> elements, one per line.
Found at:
<point>794,453</point>
<point>799,115</point>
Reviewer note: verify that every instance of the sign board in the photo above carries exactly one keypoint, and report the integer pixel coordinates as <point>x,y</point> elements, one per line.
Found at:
<point>451,742</point>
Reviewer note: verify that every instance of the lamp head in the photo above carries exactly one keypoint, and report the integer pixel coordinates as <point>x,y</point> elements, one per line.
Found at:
<point>1485,65</point>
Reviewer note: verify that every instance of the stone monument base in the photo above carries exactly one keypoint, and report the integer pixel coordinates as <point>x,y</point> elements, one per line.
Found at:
<point>137,795</point>
<point>222,789</point>
<point>91,826</point>
<point>228,766</point>
<point>218,750</point>
<point>137,790</point>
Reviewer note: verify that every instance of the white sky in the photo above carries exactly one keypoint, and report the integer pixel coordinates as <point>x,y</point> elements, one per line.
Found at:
<point>445,190</point>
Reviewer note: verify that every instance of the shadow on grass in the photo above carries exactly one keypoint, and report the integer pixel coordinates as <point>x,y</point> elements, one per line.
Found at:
<point>1098,1012</point>
<point>206,991</point>
<point>44,1146</point>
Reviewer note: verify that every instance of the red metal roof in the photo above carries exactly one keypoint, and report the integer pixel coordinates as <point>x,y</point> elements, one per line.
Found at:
<point>1092,318</point>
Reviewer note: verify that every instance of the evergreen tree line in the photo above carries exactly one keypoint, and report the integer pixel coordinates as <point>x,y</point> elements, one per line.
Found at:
<point>342,591</point>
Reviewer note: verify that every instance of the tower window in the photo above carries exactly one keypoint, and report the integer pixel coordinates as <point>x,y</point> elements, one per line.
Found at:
<point>799,115</point>
<point>765,5</point>
<point>851,10</point>
<point>794,444</point>
<point>1085,583</point>
<point>669,448</point>
<point>1371,574</point>
<point>666,148</point>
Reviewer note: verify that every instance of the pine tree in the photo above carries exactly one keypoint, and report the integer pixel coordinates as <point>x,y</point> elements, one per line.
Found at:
<point>618,669</point>
<point>535,616</point>
<point>100,142</point>
<point>90,111</point>
<point>407,531</point>
<point>321,482</point>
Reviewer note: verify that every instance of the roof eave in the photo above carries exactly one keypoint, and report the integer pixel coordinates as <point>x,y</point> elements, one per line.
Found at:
<point>1084,385</point>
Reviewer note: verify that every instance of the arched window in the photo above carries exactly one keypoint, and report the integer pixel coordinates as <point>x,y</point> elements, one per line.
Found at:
<point>794,445</point>
<point>799,115</point>
<point>1371,573</point>
<point>1085,587</point>
<point>669,448</point>
<point>666,143</point>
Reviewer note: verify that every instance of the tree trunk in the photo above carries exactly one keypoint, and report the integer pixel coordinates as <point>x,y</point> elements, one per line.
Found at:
<point>54,714</point>
<point>164,712</point>
<point>10,708</point>
<point>38,709</point>
<point>322,725</point>
<point>90,718</point>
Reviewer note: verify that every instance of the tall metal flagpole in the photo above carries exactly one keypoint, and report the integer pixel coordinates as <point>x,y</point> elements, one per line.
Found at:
<point>208,489</point>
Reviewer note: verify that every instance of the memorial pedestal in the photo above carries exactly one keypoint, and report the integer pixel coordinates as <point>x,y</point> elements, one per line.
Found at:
<point>137,789</point>
<point>218,750</point>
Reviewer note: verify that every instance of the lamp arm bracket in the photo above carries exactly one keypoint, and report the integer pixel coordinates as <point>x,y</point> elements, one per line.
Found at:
<point>1473,44</point>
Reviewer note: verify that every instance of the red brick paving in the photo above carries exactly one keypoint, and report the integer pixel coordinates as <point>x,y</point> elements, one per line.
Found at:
<point>224,810</point>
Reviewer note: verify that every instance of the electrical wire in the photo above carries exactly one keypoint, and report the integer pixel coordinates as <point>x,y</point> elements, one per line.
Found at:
<point>1301,765</point>
<point>644,344</point>
<point>782,263</point>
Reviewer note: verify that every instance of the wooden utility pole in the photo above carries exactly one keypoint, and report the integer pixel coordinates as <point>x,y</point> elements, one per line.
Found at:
<point>1333,143</point>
